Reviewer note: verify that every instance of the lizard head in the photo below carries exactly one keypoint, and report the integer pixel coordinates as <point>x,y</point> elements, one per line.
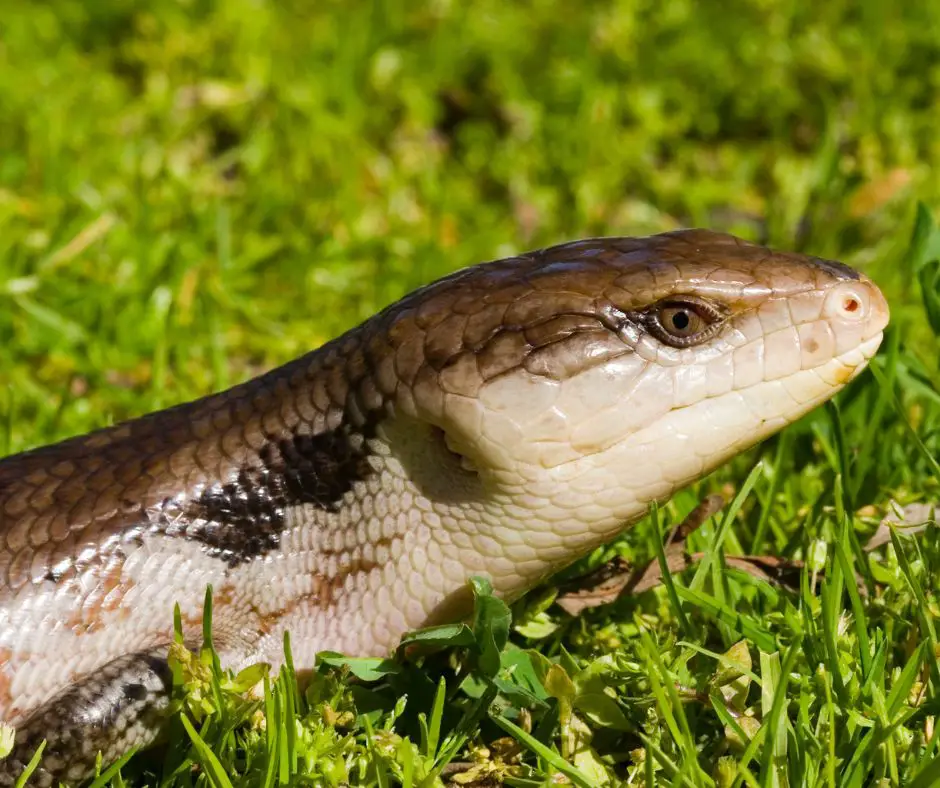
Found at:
<point>575,385</point>
<point>527,410</point>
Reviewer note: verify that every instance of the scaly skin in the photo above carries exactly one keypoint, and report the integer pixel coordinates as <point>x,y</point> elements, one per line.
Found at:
<point>502,421</point>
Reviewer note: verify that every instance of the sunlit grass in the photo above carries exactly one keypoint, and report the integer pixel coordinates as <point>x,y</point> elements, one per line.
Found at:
<point>191,192</point>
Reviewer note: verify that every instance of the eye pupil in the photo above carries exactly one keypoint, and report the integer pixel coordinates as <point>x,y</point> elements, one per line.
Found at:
<point>681,320</point>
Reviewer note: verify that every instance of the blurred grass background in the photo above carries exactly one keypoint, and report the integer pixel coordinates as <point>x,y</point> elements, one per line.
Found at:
<point>191,191</point>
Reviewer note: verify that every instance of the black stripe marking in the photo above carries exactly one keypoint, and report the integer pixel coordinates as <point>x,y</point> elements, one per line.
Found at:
<point>837,269</point>
<point>243,519</point>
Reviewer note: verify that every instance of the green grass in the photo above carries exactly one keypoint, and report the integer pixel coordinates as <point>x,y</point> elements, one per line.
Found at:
<point>191,192</point>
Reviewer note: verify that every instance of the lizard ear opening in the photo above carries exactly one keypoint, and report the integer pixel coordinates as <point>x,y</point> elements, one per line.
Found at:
<point>464,462</point>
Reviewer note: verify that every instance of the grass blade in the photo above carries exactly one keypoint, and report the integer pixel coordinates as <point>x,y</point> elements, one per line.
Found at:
<point>549,756</point>
<point>213,769</point>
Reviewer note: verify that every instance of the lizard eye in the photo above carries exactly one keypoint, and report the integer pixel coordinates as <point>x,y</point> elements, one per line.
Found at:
<point>683,321</point>
<point>680,321</point>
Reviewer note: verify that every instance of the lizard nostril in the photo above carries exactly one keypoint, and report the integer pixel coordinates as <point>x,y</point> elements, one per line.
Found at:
<point>849,301</point>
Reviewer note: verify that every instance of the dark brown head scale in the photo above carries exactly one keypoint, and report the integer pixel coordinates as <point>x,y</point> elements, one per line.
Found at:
<point>837,269</point>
